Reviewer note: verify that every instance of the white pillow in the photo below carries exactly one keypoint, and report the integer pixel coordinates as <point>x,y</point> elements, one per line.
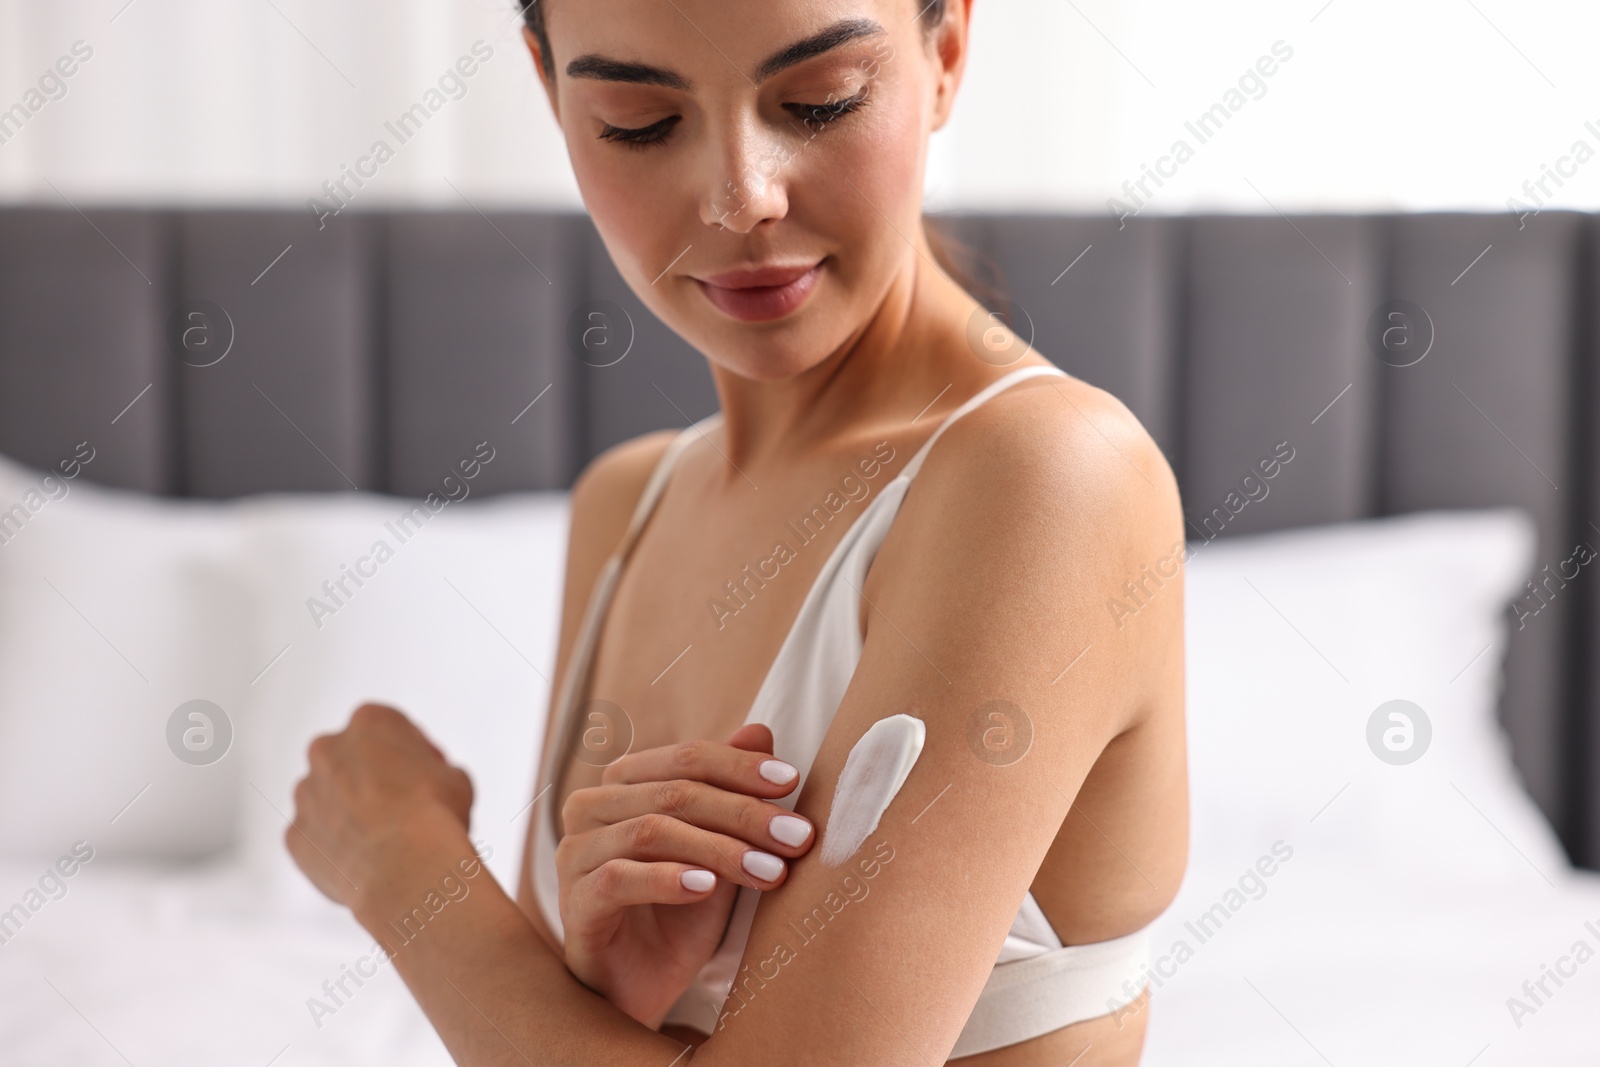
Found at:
<point>457,628</point>
<point>115,609</point>
<point>1294,639</point>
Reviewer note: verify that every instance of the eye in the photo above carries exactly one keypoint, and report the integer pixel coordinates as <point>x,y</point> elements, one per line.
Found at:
<point>817,116</point>
<point>642,136</point>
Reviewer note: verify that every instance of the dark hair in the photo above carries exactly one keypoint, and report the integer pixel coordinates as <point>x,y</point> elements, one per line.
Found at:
<point>954,258</point>
<point>973,270</point>
<point>533,16</point>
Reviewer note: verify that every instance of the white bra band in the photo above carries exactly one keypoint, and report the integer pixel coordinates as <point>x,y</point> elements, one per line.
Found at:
<point>1028,998</point>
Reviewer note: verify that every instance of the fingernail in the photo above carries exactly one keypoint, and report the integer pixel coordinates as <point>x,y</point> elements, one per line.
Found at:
<point>789,829</point>
<point>763,865</point>
<point>697,881</point>
<point>777,772</point>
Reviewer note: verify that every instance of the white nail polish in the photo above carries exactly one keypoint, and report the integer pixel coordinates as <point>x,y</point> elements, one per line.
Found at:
<point>697,881</point>
<point>763,865</point>
<point>777,772</point>
<point>789,829</point>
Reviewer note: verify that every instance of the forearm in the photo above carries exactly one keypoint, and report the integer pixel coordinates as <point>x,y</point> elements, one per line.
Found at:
<point>491,986</point>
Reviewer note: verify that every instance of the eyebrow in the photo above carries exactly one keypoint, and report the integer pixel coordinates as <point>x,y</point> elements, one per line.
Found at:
<point>612,70</point>
<point>600,68</point>
<point>839,33</point>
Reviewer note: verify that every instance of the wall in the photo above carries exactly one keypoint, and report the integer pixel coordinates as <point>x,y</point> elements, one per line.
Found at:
<point>1431,104</point>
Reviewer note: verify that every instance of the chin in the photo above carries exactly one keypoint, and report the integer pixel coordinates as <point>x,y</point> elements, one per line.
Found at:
<point>761,357</point>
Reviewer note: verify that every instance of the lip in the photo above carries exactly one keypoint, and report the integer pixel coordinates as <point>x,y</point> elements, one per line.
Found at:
<point>762,294</point>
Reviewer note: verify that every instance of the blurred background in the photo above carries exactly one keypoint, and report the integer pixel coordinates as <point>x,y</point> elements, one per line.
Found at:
<point>1429,105</point>
<point>229,370</point>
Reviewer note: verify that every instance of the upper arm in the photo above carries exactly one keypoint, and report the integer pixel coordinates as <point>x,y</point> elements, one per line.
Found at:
<point>1019,528</point>
<point>601,505</point>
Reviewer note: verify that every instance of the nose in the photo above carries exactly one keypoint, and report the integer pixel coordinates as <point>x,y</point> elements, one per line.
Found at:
<point>749,186</point>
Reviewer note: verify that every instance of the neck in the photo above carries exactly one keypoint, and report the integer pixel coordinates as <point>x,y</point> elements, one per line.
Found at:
<point>881,372</point>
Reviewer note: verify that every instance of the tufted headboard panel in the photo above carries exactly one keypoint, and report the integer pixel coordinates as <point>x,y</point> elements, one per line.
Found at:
<point>1413,362</point>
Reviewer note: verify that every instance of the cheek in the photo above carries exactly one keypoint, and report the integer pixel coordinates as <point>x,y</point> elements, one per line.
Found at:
<point>638,210</point>
<point>887,164</point>
<point>864,186</point>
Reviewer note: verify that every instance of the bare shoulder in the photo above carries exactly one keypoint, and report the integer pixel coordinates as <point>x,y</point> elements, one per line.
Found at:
<point>604,495</point>
<point>1031,513</point>
<point>1057,458</point>
<point>1071,439</point>
<point>602,504</point>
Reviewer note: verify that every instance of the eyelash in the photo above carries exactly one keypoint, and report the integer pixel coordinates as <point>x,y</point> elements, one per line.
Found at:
<point>642,136</point>
<point>824,114</point>
<point>657,132</point>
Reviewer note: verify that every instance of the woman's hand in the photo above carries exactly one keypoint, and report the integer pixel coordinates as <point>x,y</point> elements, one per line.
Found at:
<point>379,801</point>
<point>651,860</point>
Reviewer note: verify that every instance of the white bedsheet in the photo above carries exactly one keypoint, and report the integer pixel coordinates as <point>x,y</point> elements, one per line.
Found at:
<point>1348,968</point>
<point>1418,900</point>
<point>180,970</point>
<point>153,967</point>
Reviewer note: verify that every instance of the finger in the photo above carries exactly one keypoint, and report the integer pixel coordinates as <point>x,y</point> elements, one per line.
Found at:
<point>657,838</point>
<point>757,774</point>
<point>458,793</point>
<point>756,822</point>
<point>624,883</point>
<point>753,737</point>
<point>321,751</point>
<point>383,717</point>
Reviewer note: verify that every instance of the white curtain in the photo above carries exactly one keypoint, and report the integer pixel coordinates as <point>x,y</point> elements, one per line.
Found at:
<point>265,100</point>
<point>1413,105</point>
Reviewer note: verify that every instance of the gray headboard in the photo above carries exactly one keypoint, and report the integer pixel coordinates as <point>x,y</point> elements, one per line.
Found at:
<point>374,351</point>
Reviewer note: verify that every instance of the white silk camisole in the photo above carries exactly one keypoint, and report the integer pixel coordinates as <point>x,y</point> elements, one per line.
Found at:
<point>1037,985</point>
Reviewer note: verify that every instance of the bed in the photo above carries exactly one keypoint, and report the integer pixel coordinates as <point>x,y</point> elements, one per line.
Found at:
<point>1362,888</point>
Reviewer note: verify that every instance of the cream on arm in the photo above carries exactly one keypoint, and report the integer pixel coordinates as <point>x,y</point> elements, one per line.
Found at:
<point>873,773</point>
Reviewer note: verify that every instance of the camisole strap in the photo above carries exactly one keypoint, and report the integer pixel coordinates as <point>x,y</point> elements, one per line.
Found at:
<point>605,586</point>
<point>658,479</point>
<point>976,400</point>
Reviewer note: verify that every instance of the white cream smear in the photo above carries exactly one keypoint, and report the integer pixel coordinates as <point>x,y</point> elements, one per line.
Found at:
<point>873,773</point>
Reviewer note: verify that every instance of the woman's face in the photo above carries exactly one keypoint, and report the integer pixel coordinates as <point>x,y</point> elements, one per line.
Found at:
<point>754,168</point>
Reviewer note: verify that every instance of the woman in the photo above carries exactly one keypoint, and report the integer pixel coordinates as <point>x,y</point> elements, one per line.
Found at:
<point>746,598</point>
